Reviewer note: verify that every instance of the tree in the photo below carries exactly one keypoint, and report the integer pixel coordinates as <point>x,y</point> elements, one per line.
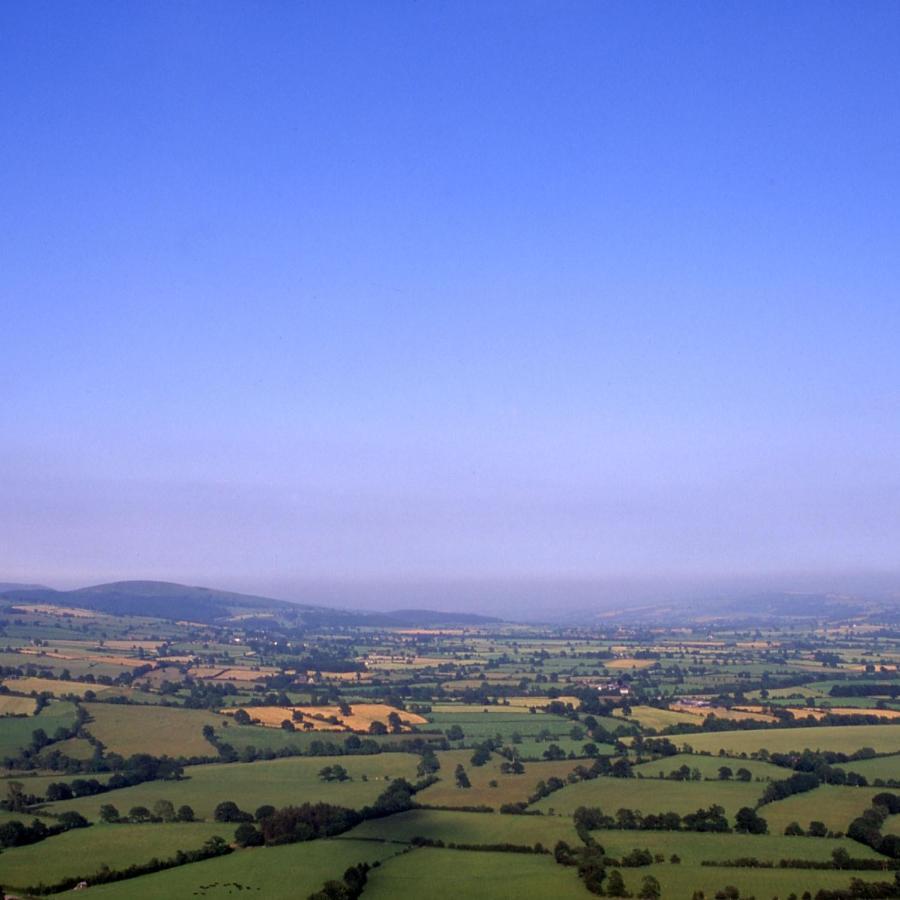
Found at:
<point>615,885</point>
<point>725,773</point>
<point>16,801</point>
<point>749,821</point>
<point>246,835</point>
<point>185,813</point>
<point>462,780</point>
<point>817,829</point>
<point>108,813</point>
<point>793,829</point>
<point>455,733</point>
<point>228,811</point>
<point>650,889</point>
<point>378,728</point>
<point>743,774</point>
<point>163,809</point>
<point>264,812</point>
<point>73,819</point>
<point>58,790</point>
<point>139,814</point>
<point>242,717</point>
<point>395,722</point>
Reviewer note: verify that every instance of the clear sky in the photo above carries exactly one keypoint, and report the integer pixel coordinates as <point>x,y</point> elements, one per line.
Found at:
<point>448,290</point>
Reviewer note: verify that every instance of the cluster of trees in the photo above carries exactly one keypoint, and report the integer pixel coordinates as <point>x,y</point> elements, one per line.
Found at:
<point>17,834</point>
<point>334,773</point>
<point>867,828</point>
<point>162,811</point>
<point>349,888</point>
<point>712,818</point>
<point>291,824</point>
<point>798,783</point>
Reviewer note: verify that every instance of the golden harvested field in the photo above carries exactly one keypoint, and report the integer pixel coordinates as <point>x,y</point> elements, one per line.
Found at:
<point>218,673</point>
<point>362,715</point>
<point>720,712</point>
<point>405,662</point>
<point>17,706</point>
<point>49,610</point>
<point>801,712</point>
<point>651,717</point>
<point>110,659</point>
<point>51,685</point>
<point>133,645</point>
<point>629,662</point>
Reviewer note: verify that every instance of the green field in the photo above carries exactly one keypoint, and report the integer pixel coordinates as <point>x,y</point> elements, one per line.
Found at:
<point>250,785</point>
<point>679,882</point>
<point>159,730</point>
<point>708,766</point>
<point>509,789</point>
<point>887,767</point>
<point>15,732</point>
<point>836,806</point>
<point>83,851</point>
<point>693,847</point>
<point>469,828</point>
<point>291,872</point>
<point>841,738</point>
<point>455,874</point>
<point>651,795</point>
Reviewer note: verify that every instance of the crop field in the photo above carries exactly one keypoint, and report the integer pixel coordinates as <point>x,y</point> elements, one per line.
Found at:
<point>492,686</point>
<point>651,717</point>
<point>322,718</point>
<point>452,874</point>
<point>650,796</point>
<point>84,851</point>
<point>16,706</point>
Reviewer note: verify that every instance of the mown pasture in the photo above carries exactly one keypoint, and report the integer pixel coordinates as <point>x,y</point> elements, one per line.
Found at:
<point>469,828</point>
<point>84,851</point>
<point>15,732</point>
<point>451,874</point>
<point>275,873</point>
<point>709,766</point>
<point>840,738</point>
<point>508,789</point>
<point>836,806</point>
<point>278,782</point>
<point>158,730</point>
<point>651,795</point>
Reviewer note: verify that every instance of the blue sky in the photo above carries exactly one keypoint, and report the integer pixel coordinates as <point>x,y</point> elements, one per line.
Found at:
<point>298,291</point>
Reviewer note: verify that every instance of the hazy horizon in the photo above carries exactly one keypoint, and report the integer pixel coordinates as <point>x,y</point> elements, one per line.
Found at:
<point>539,294</point>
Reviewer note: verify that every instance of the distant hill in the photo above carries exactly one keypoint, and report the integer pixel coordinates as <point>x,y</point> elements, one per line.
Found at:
<point>428,617</point>
<point>167,600</point>
<point>15,586</point>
